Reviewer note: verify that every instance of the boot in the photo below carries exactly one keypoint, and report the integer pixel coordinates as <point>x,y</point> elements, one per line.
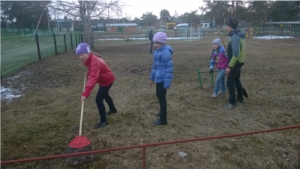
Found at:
<point>111,112</point>
<point>160,122</point>
<point>100,125</point>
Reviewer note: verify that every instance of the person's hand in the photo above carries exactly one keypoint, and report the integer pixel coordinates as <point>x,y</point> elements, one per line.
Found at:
<point>211,71</point>
<point>151,82</point>
<point>83,98</point>
<point>227,71</point>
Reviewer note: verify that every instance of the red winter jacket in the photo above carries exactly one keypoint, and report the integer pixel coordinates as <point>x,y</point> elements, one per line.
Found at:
<point>98,72</point>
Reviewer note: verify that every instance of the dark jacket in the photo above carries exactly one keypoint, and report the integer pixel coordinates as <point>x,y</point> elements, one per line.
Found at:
<point>150,35</point>
<point>236,48</point>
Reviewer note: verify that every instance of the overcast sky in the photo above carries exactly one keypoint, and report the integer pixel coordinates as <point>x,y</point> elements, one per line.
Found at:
<point>136,8</point>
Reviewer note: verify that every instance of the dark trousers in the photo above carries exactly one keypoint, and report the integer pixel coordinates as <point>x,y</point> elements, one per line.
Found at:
<point>161,93</point>
<point>103,93</point>
<point>234,83</point>
<point>151,47</point>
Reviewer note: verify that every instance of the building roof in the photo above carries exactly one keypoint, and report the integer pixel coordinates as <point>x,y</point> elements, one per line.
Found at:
<point>285,22</point>
<point>122,24</point>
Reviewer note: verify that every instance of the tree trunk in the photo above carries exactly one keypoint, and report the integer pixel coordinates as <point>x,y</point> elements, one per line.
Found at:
<point>86,23</point>
<point>87,31</point>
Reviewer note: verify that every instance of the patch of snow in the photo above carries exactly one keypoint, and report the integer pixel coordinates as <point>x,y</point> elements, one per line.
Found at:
<point>7,93</point>
<point>269,37</point>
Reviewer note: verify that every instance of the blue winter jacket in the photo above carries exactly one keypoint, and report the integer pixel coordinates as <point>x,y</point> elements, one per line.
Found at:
<point>162,68</point>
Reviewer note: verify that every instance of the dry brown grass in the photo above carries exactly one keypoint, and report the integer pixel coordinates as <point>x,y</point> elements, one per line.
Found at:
<point>46,118</point>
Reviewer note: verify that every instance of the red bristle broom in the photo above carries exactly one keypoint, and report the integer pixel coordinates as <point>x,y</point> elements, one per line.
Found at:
<point>79,143</point>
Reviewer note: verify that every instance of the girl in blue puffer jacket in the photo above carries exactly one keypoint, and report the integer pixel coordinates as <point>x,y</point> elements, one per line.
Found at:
<point>162,73</point>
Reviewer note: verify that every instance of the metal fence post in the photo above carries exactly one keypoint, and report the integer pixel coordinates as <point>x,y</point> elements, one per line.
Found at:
<point>38,46</point>
<point>76,43</point>
<point>144,157</point>
<point>71,40</point>
<point>65,42</point>
<point>55,45</point>
<point>199,78</point>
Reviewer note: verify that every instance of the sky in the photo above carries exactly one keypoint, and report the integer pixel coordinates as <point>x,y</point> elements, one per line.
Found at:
<point>136,8</point>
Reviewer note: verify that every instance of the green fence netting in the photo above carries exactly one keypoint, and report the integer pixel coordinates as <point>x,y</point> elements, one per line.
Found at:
<point>18,51</point>
<point>19,46</point>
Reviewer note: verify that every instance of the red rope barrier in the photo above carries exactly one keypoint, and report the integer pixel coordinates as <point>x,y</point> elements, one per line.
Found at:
<point>148,145</point>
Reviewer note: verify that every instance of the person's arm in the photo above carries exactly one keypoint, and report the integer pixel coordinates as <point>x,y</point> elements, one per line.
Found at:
<point>212,60</point>
<point>92,79</point>
<point>235,45</point>
<point>167,59</point>
<point>152,75</point>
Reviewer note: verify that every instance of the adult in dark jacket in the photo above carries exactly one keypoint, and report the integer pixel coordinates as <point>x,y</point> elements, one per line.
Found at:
<point>236,58</point>
<point>150,36</point>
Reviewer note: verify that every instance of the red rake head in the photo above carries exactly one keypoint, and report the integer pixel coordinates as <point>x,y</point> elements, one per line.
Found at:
<point>79,142</point>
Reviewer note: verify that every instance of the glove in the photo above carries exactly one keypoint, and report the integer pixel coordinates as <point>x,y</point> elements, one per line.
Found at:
<point>211,71</point>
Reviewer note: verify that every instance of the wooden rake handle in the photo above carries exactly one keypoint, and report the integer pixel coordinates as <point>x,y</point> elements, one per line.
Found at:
<point>82,105</point>
<point>224,44</point>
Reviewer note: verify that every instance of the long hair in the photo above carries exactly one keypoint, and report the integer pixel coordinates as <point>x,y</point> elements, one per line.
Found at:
<point>96,54</point>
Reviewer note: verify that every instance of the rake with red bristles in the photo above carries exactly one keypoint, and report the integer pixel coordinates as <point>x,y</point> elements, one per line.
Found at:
<point>79,143</point>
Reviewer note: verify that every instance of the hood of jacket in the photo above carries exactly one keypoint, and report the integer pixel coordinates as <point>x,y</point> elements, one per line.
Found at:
<point>238,32</point>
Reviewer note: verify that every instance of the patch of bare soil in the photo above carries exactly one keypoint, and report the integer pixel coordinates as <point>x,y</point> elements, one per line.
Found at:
<point>46,117</point>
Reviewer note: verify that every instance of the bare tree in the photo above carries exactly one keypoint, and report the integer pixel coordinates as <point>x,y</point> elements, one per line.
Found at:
<point>86,10</point>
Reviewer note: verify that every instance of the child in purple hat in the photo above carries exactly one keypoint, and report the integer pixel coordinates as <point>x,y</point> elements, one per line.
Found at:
<point>98,72</point>
<point>162,73</point>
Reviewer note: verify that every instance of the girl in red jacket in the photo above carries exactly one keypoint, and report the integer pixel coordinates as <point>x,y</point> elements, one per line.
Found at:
<point>98,72</point>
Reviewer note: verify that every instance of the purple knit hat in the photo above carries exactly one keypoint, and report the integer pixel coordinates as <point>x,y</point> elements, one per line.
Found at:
<point>83,48</point>
<point>160,37</point>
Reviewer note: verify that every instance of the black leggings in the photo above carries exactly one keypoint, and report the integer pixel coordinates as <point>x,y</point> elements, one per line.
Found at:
<point>161,93</point>
<point>234,83</point>
<point>103,93</point>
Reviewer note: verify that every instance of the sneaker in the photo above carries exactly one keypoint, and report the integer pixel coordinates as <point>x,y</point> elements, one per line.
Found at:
<point>158,114</point>
<point>242,101</point>
<point>160,122</point>
<point>229,106</point>
<point>111,112</point>
<point>220,92</point>
<point>214,95</point>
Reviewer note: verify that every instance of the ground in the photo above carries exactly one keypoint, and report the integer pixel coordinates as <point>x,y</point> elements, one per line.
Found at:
<point>46,117</point>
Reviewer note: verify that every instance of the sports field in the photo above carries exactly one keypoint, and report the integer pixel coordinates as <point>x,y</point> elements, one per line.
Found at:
<point>46,117</point>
